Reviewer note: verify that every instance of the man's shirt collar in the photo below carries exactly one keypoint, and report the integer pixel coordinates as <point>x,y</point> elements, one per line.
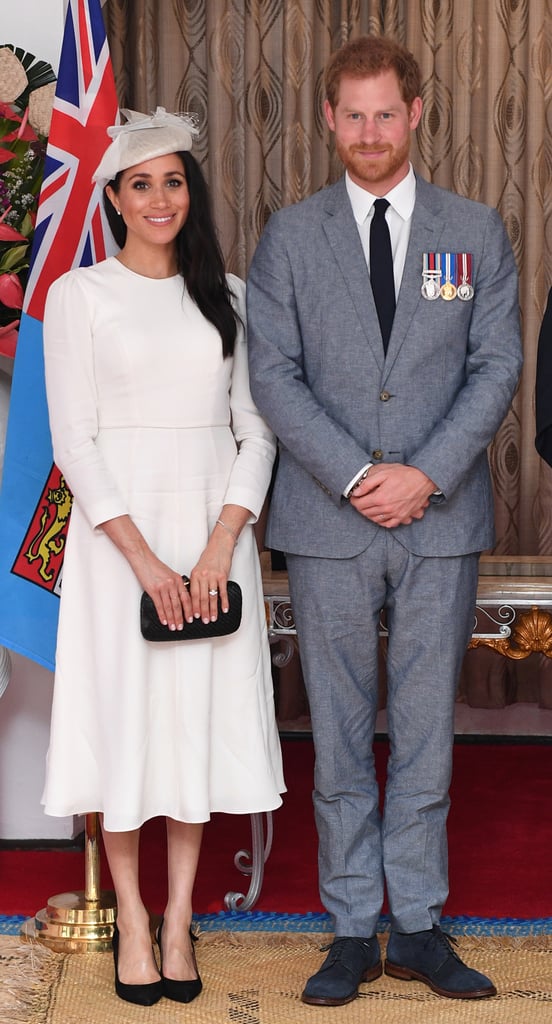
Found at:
<point>402,197</point>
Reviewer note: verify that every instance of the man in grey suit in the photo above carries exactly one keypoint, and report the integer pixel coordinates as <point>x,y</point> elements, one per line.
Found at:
<point>383,498</point>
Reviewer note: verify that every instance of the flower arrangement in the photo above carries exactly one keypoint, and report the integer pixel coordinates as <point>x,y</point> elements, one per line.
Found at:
<point>27,89</point>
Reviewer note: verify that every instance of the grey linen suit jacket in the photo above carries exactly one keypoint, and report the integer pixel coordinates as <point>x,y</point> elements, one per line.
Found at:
<point>320,378</point>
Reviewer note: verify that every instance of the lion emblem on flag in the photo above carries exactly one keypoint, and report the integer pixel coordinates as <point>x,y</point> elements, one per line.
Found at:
<point>50,538</point>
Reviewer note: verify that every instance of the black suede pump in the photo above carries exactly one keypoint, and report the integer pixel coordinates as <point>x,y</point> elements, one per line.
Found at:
<point>142,995</point>
<point>179,991</point>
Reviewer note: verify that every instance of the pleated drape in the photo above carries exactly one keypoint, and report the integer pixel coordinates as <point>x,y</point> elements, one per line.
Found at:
<point>253,71</point>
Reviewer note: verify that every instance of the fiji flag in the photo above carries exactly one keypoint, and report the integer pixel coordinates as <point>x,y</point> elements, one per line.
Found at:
<point>71,231</point>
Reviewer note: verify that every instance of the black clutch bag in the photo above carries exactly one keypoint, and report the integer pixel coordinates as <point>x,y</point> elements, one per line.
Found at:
<point>226,623</point>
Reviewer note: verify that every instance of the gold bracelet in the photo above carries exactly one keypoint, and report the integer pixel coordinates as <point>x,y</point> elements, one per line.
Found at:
<point>228,530</point>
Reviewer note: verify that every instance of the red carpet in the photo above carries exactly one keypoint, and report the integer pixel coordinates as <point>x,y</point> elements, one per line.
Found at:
<point>500,833</point>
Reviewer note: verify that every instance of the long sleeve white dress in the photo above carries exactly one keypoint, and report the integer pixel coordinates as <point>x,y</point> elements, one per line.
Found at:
<point>149,420</point>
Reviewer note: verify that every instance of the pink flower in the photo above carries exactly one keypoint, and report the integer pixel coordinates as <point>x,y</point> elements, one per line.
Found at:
<point>9,234</point>
<point>11,291</point>
<point>6,155</point>
<point>24,131</point>
<point>8,339</point>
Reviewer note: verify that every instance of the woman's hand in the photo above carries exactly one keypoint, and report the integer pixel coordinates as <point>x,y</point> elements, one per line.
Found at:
<point>209,576</point>
<point>167,590</point>
<point>173,601</point>
<point>165,586</point>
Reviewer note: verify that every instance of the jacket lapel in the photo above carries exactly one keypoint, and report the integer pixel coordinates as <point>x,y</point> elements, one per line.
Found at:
<point>344,240</point>
<point>428,222</point>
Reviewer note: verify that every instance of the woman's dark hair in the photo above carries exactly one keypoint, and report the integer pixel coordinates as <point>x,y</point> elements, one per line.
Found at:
<point>199,254</point>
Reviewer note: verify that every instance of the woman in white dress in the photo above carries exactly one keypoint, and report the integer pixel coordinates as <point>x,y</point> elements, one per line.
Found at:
<point>168,460</point>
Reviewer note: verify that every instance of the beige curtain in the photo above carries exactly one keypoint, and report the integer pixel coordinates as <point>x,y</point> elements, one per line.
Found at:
<point>253,71</point>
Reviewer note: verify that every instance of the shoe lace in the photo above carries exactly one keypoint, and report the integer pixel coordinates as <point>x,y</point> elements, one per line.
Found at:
<point>338,945</point>
<point>447,941</point>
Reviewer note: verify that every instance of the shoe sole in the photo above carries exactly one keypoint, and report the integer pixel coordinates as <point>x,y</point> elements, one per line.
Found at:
<point>370,975</point>
<point>407,974</point>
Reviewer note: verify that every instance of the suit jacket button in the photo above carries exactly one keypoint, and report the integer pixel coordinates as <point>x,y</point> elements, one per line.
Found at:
<point>384,396</point>
<point>377,454</point>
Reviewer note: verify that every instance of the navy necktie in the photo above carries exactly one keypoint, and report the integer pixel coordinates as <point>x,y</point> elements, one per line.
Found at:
<point>381,269</point>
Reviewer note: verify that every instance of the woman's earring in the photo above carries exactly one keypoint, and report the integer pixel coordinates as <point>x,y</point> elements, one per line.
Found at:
<point>118,213</point>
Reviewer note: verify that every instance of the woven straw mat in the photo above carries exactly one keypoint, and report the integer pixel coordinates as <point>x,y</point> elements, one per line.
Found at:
<point>257,978</point>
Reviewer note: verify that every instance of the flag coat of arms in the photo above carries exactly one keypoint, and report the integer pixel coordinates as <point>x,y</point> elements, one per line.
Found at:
<point>71,230</point>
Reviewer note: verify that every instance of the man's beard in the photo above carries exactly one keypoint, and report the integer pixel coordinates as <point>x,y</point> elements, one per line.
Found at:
<point>371,172</point>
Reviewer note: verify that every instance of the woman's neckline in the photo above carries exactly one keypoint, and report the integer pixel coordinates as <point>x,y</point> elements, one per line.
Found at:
<point>145,277</point>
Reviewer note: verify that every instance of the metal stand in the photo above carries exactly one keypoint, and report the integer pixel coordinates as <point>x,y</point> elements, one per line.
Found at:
<point>260,851</point>
<point>78,922</point>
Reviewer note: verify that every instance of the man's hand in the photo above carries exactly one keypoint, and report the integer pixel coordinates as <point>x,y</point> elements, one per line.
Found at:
<point>393,495</point>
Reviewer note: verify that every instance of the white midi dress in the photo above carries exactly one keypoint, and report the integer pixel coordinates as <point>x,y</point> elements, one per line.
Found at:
<point>149,420</point>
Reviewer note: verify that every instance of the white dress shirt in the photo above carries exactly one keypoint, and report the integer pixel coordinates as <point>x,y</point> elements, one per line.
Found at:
<point>401,201</point>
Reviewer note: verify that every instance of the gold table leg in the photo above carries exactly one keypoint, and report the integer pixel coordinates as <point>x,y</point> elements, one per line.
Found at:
<point>78,922</point>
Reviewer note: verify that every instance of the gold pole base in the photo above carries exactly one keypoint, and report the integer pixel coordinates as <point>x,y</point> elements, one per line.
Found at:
<point>72,924</point>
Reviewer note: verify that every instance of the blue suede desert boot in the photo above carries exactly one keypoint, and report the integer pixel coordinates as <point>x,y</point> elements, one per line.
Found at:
<point>349,962</point>
<point>429,956</point>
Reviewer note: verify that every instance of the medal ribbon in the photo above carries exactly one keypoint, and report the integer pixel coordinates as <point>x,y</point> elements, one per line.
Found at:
<point>465,259</point>
<point>450,267</point>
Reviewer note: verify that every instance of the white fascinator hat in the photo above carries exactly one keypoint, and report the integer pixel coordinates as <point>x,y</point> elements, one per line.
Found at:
<point>144,137</point>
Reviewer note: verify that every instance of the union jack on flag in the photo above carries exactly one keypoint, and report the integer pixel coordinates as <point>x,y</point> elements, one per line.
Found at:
<point>71,230</point>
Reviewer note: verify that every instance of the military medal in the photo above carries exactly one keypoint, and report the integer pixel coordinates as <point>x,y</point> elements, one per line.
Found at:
<point>465,288</point>
<point>431,275</point>
<point>430,289</point>
<point>448,289</point>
